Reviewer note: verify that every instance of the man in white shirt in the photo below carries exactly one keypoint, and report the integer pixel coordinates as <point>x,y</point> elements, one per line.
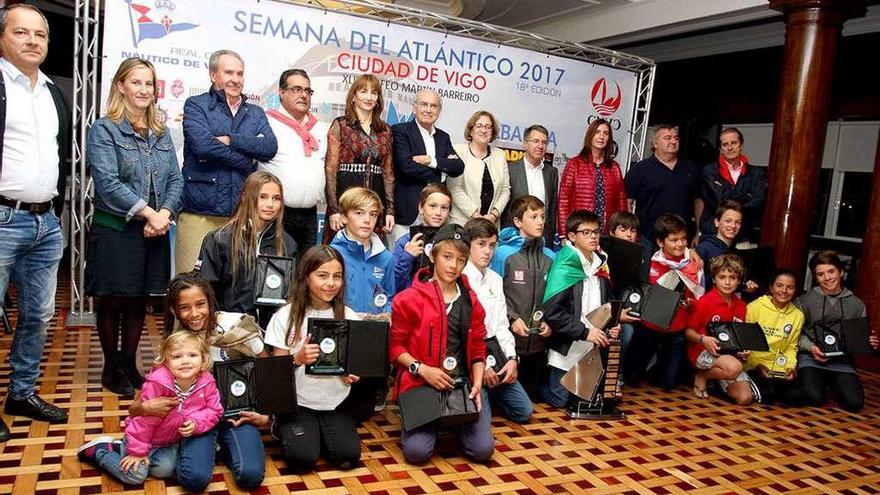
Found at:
<point>500,388</point>
<point>299,162</point>
<point>423,155</point>
<point>34,120</point>
<point>531,176</point>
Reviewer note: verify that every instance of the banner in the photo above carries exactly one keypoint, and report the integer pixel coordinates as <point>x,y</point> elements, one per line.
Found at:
<point>519,87</point>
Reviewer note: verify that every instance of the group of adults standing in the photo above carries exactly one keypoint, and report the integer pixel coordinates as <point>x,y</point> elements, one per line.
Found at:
<point>140,190</point>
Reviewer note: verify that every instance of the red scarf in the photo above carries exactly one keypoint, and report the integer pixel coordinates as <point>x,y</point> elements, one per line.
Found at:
<point>309,142</point>
<point>724,169</point>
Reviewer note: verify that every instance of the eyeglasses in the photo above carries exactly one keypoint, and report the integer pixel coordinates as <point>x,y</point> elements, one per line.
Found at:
<point>537,141</point>
<point>425,104</point>
<point>487,127</point>
<point>297,90</point>
<point>589,232</point>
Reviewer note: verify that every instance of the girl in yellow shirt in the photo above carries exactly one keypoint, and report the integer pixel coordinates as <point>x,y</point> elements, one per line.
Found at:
<point>773,372</point>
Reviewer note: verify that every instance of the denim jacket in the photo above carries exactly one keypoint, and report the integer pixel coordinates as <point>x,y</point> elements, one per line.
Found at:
<point>122,163</point>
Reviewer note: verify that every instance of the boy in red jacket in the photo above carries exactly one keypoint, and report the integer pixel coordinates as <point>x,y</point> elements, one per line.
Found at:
<point>437,338</point>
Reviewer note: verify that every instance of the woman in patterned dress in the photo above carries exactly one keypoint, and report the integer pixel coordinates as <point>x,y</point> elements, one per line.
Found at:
<point>359,153</point>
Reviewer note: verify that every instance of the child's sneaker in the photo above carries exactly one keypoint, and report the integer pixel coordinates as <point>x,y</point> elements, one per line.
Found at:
<point>87,452</point>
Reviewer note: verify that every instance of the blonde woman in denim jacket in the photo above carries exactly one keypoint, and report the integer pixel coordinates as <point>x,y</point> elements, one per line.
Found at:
<point>138,188</point>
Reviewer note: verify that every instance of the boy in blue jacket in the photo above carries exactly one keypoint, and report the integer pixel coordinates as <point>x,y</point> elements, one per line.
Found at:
<point>369,266</point>
<point>528,220</point>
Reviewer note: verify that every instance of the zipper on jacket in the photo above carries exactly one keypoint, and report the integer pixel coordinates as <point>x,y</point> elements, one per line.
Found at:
<point>444,322</point>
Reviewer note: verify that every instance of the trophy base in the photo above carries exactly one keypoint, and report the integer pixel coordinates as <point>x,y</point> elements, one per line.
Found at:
<point>595,412</point>
<point>271,301</point>
<point>326,370</point>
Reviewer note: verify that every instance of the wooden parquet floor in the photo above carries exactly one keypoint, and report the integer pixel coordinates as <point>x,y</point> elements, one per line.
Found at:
<point>669,444</point>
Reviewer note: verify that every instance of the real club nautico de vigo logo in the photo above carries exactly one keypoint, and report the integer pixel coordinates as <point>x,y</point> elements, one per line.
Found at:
<point>155,22</point>
<point>605,98</point>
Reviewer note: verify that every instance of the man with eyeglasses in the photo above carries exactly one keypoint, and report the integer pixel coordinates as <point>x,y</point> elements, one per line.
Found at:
<point>530,176</point>
<point>299,163</point>
<point>34,130</point>
<point>423,155</point>
<point>224,137</point>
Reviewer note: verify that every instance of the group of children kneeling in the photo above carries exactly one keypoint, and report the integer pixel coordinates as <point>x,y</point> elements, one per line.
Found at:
<point>478,286</point>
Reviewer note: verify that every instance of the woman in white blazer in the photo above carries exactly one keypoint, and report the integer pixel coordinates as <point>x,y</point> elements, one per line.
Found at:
<point>484,187</point>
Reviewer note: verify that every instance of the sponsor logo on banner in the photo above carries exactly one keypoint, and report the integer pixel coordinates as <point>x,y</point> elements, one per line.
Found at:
<point>160,88</point>
<point>605,99</point>
<point>155,22</point>
<point>177,88</point>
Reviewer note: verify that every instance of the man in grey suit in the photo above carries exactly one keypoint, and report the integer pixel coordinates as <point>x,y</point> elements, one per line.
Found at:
<point>530,175</point>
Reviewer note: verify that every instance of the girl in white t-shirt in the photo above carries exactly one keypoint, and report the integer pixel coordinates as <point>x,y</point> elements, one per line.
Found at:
<point>323,424</point>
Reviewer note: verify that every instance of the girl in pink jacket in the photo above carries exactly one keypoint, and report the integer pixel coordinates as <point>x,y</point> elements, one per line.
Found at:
<point>150,443</point>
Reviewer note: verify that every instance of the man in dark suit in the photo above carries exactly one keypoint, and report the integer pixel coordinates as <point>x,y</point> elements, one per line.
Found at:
<point>531,176</point>
<point>423,154</point>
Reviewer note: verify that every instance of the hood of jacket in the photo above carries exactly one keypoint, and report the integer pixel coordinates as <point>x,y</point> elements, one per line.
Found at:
<point>509,236</point>
<point>766,302</point>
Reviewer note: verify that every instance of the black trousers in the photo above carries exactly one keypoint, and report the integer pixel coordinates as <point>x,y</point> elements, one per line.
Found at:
<point>302,225</point>
<point>531,371</point>
<point>846,387</point>
<point>776,390</point>
<point>364,396</point>
<point>309,434</point>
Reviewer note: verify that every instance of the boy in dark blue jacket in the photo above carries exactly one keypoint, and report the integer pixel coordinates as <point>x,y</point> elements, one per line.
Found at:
<point>224,137</point>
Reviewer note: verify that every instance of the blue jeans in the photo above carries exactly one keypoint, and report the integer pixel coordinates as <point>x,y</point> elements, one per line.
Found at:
<point>552,391</point>
<point>240,448</point>
<point>30,249</point>
<point>512,401</point>
<point>162,461</point>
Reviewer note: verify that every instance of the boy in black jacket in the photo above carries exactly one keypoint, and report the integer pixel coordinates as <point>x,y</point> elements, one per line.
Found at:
<point>577,284</point>
<point>524,280</point>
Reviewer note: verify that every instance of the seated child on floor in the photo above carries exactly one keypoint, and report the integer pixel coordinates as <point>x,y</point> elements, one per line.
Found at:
<point>149,447</point>
<point>719,304</point>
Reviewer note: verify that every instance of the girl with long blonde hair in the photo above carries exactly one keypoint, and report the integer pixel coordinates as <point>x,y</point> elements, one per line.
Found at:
<point>228,255</point>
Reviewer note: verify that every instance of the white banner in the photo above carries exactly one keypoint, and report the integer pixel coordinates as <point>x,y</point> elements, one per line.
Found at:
<point>520,87</point>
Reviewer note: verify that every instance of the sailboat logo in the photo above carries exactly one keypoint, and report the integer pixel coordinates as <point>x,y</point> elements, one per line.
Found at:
<point>605,99</point>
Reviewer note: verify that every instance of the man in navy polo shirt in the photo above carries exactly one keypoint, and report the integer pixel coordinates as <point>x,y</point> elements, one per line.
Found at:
<point>663,183</point>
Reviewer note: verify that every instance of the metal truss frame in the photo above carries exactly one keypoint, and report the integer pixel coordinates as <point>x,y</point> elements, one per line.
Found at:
<point>85,88</point>
<point>87,23</point>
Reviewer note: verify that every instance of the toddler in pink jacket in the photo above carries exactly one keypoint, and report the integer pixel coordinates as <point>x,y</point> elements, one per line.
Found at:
<point>149,447</point>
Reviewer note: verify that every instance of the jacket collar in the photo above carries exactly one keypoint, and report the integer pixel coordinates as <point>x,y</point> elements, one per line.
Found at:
<point>161,375</point>
<point>218,97</point>
<point>473,273</point>
<point>724,171</point>
<point>355,247</point>
<point>422,281</point>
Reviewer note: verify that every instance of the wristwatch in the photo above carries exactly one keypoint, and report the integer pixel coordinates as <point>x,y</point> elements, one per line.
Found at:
<point>513,358</point>
<point>414,367</point>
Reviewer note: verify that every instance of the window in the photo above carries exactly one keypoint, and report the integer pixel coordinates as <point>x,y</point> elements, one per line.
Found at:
<point>852,213</point>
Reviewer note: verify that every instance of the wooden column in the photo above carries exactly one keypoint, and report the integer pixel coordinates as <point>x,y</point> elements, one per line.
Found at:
<point>868,281</point>
<point>812,32</point>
